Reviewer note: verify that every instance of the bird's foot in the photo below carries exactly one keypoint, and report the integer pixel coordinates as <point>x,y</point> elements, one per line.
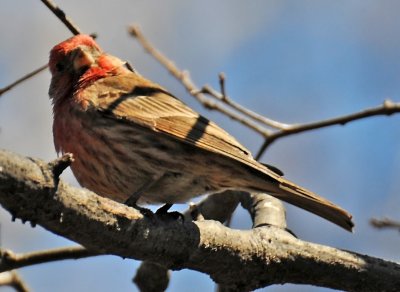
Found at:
<point>144,211</point>
<point>163,212</point>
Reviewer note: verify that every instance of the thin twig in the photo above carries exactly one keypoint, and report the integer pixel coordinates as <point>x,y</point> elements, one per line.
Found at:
<point>10,260</point>
<point>221,78</point>
<point>284,130</point>
<point>238,107</point>
<point>185,79</point>
<point>385,223</point>
<point>22,79</point>
<point>13,279</point>
<point>68,23</point>
<point>387,108</point>
<point>62,16</point>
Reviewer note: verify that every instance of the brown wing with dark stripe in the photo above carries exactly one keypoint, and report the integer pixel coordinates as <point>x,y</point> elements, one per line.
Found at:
<point>145,103</point>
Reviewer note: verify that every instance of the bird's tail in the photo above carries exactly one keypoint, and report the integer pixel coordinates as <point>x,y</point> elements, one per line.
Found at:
<point>291,193</point>
<point>302,198</point>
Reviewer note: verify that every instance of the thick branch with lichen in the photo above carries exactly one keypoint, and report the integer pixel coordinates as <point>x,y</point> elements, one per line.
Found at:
<point>254,258</point>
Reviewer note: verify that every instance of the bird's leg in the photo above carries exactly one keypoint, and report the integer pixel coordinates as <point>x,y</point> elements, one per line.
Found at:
<point>132,200</point>
<point>133,204</point>
<point>162,212</point>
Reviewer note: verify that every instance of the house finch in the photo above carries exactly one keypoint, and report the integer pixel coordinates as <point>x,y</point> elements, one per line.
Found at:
<point>132,139</point>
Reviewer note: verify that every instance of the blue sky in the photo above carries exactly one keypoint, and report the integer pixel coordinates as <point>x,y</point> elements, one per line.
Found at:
<point>293,61</point>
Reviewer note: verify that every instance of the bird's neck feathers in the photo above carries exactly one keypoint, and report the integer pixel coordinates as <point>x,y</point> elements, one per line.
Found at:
<point>106,66</point>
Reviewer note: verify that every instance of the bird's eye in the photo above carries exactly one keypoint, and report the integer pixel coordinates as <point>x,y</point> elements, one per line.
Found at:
<point>60,67</point>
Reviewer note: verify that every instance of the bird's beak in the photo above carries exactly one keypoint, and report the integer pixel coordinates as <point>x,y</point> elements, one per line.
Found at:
<point>82,59</point>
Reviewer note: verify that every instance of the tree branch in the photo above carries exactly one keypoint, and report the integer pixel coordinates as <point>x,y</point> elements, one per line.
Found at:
<point>62,16</point>
<point>14,280</point>
<point>22,79</point>
<point>10,260</point>
<point>284,130</point>
<point>190,86</point>
<point>68,23</point>
<point>387,108</point>
<point>264,210</point>
<point>385,223</point>
<point>207,89</point>
<point>254,258</point>
<point>209,208</point>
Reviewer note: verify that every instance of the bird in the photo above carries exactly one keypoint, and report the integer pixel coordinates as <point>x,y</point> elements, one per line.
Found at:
<point>136,143</point>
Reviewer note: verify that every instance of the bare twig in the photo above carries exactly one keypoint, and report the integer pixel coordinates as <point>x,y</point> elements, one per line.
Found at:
<point>385,223</point>
<point>184,78</point>
<point>68,23</point>
<point>14,280</point>
<point>387,108</point>
<point>221,78</point>
<point>10,260</point>
<point>22,79</point>
<point>284,130</point>
<point>241,109</point>
<point>61,15</point>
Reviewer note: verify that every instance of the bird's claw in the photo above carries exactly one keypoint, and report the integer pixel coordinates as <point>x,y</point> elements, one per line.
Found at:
<point>163,213</point>
<point>144,211</point>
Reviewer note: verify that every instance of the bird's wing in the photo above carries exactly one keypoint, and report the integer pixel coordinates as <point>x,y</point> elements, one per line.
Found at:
<point>135,99</point>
